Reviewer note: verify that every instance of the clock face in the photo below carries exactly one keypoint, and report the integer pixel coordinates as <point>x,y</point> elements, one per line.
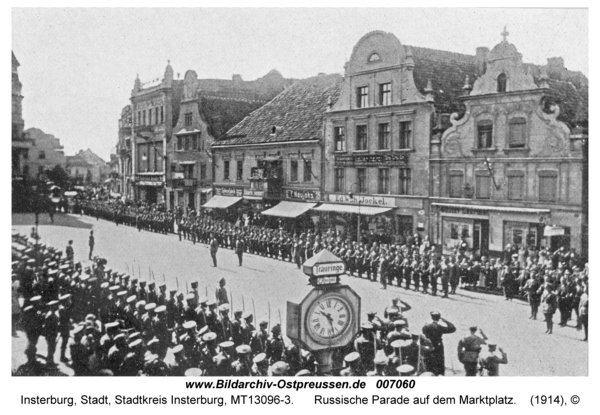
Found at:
<point>328,317</point>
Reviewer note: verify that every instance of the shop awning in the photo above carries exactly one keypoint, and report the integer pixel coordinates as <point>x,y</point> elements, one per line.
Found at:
<point>253,197</point>
<point>221,202</point>
<point>363,210</point>
<point>493,208</point>
<point>287,209</point>
<point>206,190</point>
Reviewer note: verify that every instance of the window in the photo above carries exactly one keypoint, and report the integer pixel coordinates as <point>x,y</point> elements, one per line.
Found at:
<point>186,142</point>
<point>307,170</point>
<point>139,118</point>
<point>361,180</point>
<point>383,181</point>
<point>240,169</point>
<point>150,116</point>
<point>179,143</point>
<point>484,134</point>
<point>339,138</point>
<point>362,97</point>
<point>144,117</point>
<point>293,170</point>
<point>404,182</point>
<point>156,119</point>
<point>188,119</point>
<point>385,94</point>
<point>203,172</point>
<point>226,170</point>
<point>374,58</point>
<point>361,137</point>
<point>548,187</point>
<point>456,185</point>
<point>515,187</point>
<point>483,187</point>
<point>194,141</point>
<point>200,142</point>
<point>338,185</point>
<point>42,155</point>
<point>516,129</point>
<point>188,171</point>
<point>502,82</point>
<point>162,115</point>
<point>384,136</point>
<point>405,134</point>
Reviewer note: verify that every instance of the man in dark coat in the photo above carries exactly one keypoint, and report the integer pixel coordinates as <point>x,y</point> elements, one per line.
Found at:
<point>434,331</point>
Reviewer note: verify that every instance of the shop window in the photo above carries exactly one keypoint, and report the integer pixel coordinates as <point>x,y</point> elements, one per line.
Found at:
<point>226,170</point>
<point>453,231</point>
<point>456,185</point>
<point>362,97</point>
<point>517,132</point>
<point>240,170</point>
<point>307,171</point>
<point>405,182</point>
<point>293,170</point>
<point>188,119</point>
<point>515,187</point>
<point>485,131</point>
<point>385,94</point>
<point>361,137</point>
<point>339,138</point>
<point>361,180</point>
<point>517,237</point>
<point>547,188</point>
<point>338,185</point>
<point>405,135</point>
<point>383,181</point>
<point>483,187</point>
<point>384,136</point>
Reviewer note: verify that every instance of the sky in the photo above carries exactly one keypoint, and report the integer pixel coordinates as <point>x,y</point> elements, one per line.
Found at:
<point>78,66</point>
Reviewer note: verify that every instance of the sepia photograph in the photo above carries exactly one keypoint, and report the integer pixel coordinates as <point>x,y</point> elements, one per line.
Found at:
<point>258,192</point>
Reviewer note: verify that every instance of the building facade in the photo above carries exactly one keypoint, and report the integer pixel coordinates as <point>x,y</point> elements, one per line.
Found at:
<point>377,143</point>
<point>99,168</point>
<point>509,169</point>
<point>124,159</point>
<point>20,143</point>
<point>46,152</point>
<point>79,170</point>
<point>268,168</point>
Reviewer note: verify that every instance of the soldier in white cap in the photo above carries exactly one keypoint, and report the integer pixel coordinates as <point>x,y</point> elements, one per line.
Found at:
<point>491,360</point>
<point>353,363</point>
<point>381,361</point>
<point>243,365</point>
<point>279,369</point>
<point>260,366</point>
<point>468,350</point>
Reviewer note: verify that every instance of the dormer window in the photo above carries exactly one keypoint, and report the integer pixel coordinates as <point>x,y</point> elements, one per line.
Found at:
<point>502,82</point>
<point>374,57</point>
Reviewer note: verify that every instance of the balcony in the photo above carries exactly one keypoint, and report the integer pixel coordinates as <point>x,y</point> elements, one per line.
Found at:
<point>183,183</point>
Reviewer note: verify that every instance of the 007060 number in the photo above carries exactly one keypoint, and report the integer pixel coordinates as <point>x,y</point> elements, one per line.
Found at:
<point>395,383</point>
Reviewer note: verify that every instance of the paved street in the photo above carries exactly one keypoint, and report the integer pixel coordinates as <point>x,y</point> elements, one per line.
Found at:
<point>267,281</point>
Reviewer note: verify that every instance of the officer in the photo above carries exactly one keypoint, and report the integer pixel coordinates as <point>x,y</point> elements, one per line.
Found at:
<point>69,251</point>
<point>214,247</point>
<point>64,316</point>
<point>434,331</point>
<point>240,246</point>
<point>468,350</point>
<point>221,294</point>
<point>91,244</point>
<point>491,359</point>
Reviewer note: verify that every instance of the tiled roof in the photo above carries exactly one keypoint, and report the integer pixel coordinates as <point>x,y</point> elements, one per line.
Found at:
<point>297,113</point>
<point>448,70</point>
<point>221,114</point>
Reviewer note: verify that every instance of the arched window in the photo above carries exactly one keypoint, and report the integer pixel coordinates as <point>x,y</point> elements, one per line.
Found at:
<point>502,82</point>
<point>374,57</point>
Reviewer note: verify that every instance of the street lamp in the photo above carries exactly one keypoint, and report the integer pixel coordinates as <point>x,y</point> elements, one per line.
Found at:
<point>351,196</point>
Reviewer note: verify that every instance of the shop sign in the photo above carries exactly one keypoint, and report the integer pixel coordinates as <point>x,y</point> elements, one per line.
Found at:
<point>462,211</point>
<point>303,194</point>
<point>363,200</point>
<point>229,191</point>
<point>371,160</point>
<point>554,231</point>
<point>255,193</point>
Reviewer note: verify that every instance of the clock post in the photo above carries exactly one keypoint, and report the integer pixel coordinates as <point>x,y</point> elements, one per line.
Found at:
<point>329,315</point>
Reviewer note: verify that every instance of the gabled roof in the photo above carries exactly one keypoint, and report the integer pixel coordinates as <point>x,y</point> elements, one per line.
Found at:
<point>297,113</point>
<point>448,71</point>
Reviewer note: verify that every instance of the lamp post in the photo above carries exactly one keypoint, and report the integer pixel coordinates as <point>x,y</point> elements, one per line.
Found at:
<point>351,196</point>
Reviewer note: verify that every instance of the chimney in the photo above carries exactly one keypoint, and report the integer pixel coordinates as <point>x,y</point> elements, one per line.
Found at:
<point>481,56</point>
<point>236,78</point>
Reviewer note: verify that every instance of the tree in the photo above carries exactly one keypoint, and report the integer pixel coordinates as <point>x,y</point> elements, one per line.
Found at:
<point>59,176</point>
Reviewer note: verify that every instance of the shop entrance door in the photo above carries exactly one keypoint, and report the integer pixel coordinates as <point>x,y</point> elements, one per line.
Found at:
<point>481,236</point>
<point>151,195</point>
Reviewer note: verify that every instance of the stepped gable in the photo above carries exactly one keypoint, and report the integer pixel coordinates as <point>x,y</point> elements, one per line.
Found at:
<point>297,113</point>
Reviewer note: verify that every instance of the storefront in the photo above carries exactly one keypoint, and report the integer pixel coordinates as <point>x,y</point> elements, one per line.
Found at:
<point>487,229</point>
